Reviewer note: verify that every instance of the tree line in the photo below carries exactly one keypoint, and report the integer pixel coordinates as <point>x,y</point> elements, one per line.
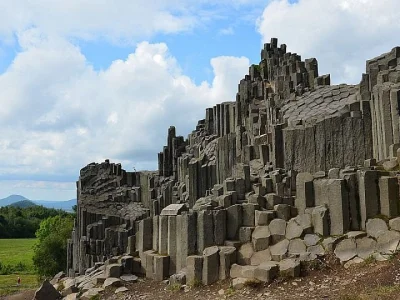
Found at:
<point>17,222</point>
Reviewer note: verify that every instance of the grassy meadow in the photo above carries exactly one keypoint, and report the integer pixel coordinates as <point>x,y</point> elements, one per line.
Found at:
<point>16,260</point>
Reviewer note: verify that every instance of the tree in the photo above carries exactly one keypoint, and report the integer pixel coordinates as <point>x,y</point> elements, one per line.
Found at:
<point>50,251</point>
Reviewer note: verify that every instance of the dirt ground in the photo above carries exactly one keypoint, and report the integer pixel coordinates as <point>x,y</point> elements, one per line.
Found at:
<point>325,280</point>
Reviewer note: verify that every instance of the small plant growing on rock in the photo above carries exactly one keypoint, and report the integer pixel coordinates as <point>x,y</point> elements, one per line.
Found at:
<point>176,287</point>
<point>253,283</point>
<point>194,283</point>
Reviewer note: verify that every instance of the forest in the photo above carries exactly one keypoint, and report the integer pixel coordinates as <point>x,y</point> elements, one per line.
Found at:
<point>17,222</point>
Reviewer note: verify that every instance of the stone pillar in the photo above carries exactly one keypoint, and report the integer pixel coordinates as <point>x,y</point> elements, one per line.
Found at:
<point>219,218</point>
<point>210,265</point>
<point>205,230</point>
<point>155,233</point>
<point>234,221</point>
<point>186,234</point>
<point>163,235</point>
<point>368,192</point>
<point>304,192</point>
<point>389,196</point>
<point>338,207</point>
<point>172,244</point>
<point>145,235</point>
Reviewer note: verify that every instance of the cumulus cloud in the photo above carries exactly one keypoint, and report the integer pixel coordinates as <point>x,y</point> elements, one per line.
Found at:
<point>58,113</point>
<point>341,34</point>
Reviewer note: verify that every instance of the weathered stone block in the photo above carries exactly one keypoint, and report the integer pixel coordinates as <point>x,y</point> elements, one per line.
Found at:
<point>389,196</point>
<point>205,230</point>
<point>277,228</point>
<point>249,214</point>
<point>264,217</point>
<point>290,267</point>
<point>266,272</point>
<point>346,250</point>
<point>194,265</point>
<point>227,257</point>
<point>375,227</point>
<point>161,267</point>
<point>245,234</point>
<point>245,253</point>
<point>260,257</point>
<point>234,221</point>
<point>320,219</point>
<point>304,191</point>
<point>210,265</point>
<point>279,251</point>
<point>261,238</point>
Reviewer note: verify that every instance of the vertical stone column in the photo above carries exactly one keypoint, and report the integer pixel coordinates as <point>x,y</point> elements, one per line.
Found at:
<point>145,241</point>
<point>155,233</point>
<point>186,235</point>
<point>369,195</point>
<point>304,192</point>
<point>338,207</point>
<point>172,244</point>
<point>193,182</point>
<point>389,196</point>
<point>205,232</point>
<point>163,235</point>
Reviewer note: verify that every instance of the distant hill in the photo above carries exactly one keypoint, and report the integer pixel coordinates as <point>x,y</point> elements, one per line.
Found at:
<point>11,199</point>
<point>23,204</point>
<point>64,205</point>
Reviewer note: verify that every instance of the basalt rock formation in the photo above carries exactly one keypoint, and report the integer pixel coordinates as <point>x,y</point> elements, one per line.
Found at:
<point>261,184</point>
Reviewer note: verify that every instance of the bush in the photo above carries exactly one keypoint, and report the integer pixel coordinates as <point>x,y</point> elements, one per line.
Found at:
<point>50,251</point>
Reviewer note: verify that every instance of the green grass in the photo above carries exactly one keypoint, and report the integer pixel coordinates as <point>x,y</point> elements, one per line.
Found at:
<point>13,251</point>
<point>8,283</point>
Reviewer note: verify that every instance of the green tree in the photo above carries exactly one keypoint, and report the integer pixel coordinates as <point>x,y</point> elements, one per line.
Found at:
<point>50,252</point>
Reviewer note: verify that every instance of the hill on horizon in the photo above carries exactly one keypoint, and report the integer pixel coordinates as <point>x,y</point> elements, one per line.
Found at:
<point>23,204</point>
<point>64,205</point>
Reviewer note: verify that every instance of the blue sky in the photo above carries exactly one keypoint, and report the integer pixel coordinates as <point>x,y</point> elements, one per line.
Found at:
<point>82,81</point>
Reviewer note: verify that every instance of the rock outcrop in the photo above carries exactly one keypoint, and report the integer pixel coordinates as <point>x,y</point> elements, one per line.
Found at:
<point>259,186</point>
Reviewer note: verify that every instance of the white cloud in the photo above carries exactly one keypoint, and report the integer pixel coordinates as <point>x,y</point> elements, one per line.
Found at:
<point>341,34</point>
<point>227,31</point>
<point>57,114</point>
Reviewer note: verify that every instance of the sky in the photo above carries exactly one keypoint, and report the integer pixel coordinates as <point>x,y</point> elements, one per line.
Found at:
<point>86,80</point>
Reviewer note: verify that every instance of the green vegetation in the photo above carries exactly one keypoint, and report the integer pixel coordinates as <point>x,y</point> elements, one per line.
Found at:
<point>8,283</point>
<point>50,251</point>
<point>17,222</point>
<point>16,256</point>
<point>16,260</point>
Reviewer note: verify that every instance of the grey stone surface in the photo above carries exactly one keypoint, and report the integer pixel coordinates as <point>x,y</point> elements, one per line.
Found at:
<point>260,257</point>
<point>293,229</point>
<point>245,253</point>
<point>375,227</point>
<point>227,257</point>
<point>311,239</point>
<point>277,228</point>
<point>194,265</point>
<point>387,242</point>
<point>296,247</point>
<point>46,292</point>
<point>234,221</point>
<point>289,267</point>
<point>264,217</point>
<point>394,224</point>
<point>320,219</point>
<point>280,250</point>
<point>245,234</point>
<point>211,261</point>
<point>266,272</point>
<point>173,210</point>
<point>261,238</point>
<point>365,247</point>
<point>346,249</point>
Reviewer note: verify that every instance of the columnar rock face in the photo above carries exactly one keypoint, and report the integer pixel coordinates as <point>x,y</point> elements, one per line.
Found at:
<point>258,183</point>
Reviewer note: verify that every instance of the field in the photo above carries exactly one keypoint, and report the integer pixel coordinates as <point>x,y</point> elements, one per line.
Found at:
<point>17,255</point>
